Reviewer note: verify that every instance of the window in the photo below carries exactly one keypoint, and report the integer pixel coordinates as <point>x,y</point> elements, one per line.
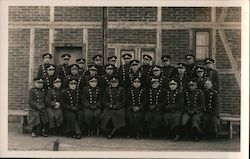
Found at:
<point>202,44</point>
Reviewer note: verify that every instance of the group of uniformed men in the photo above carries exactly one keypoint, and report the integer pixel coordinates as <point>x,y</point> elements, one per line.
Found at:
<point>176,101</point>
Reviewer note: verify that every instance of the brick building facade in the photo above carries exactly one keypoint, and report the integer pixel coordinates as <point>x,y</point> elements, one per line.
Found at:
<point>115,30</point>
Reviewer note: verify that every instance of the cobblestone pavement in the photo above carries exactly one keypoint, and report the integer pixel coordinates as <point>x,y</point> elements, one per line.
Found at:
<point>25,142</point>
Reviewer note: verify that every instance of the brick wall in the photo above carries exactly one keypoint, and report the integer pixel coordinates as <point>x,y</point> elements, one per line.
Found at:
<point>176,44</point>
<point>186,14</point>
<point>78,14</point>
<point>18,67</point>
<point>29,13</point>
<point>141,14</point>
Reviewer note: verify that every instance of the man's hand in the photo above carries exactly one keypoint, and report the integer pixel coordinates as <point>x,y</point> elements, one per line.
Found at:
<point>57,105</point>
<point>135,109</point>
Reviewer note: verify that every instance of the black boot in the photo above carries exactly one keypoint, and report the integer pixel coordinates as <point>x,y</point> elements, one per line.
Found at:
<point>196,135</point>
<point>138,136</point>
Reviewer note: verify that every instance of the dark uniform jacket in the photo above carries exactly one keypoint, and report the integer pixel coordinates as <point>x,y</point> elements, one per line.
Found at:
<point>122,72</point>
<point>42,71</point>
<point>48,82</point>
<point>162,81</point>
<point>182,82</point>
<point>114,98</point>
<point>100,81</point>
<point>106,80</point>
<point>191,70</point>
<point>53,95</point>
<point>157,98</point>
<point>71,100</point>
<point>212,104</point>
<point>146,71</point>
<point>214,76</point>
<point>131,75</point>
<point>37,98</point>
<point>62,71</point>
<point>82,72</point>
<point>194,101</point>
<point>137,97</point>
<point>200,82</point>
<point>169,72</point>
<point>100,70</point>
<point>91,98</point>
<point>79,81</point>
<point>174,101</point>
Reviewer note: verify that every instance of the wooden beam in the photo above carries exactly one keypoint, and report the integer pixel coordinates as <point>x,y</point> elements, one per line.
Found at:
<point>191,39</point>
<point>223,15</point>
<point>230,56</point>
<point>52,13</point>
<point>124,25</point>
<point>104,33</point>
<point>51,41</point>
<point>110,45</point>
<point>85,42</point>
<point>213,37</point>
<point>31,57</point>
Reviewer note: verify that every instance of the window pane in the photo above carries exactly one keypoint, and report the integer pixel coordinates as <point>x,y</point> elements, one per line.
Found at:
<point>202,38</point>
<point>202,53</point>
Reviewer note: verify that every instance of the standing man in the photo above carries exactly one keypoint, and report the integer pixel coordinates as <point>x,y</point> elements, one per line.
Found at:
<point>200,80</point>
<point>64,69</point>
<point>109,69</point>
<point>213,74</point>
<point>74,73</point>
<point>157,74</point>
<point>72,110</point>
<point>97,59</point>
<point>42,68</point>
<point>146,69</point>
<point>167,70</point>
<point>194,102</point>
<point>191,67</point>
<point>114,101</point>
<point>211,111</point>
<point>156,103</point>
<point>81,64</point>
<point>92,72</point>
<point>48,79</point>
<point>123,70</point>
<point>181,78</point>
<point>38,114</point>
<point>133,72</point>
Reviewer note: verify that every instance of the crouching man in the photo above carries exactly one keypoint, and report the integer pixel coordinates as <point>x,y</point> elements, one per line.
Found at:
<point>38,114</point>
<point>114,100</point>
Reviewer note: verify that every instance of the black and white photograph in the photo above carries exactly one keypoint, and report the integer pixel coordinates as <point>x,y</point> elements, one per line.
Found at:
<point>125,80</point>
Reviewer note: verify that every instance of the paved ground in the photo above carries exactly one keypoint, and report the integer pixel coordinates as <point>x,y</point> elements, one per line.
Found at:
<point>24,142</point>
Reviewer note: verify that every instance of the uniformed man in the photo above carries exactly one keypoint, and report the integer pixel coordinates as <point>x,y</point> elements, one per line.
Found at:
<point>114,101</point>
<point>173,110</point>
<point>112,60</point>
<point>194,102</point>
<point>109,69</point>
<point>156,103</point>
<point>191,66</point>
<point>156,73</point>
<point>64,69</point>
<point>123,70</point>
<point>72,110</point>
<point>53,102</point>
<point>137,101</point>
<point>46,61</point>
<point>200,80</point>
<point>92,72</point>
<point>81,64</point>
<point>91,99</point>
<point>74,73</point>
<point>50,75</point>
<point>211,111</point>
<point>38,114</point>
<point>133,72</point>
<point>146,68</point>
<point>97,59</point>
<point>182,79</point>
<point>167,69</point>
<point>213,74</point>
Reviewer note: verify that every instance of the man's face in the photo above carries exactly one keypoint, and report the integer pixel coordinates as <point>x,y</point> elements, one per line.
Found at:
<point>173,87</point>
<point>192,87</point>
<point>57,84</point>
<point>157,73</point>
<point>181,70</point>
<point>98,61</point>
<point>127,61</point>
<point>166,62</point>
<point>93,84</point>
<point>146,62</point>
<point>190,61</point>
<point>72,86</point>
<point>74,71</point>
<point>137,84</point>
<point>209,65</point>
<point>81,65</point>
<point>46,60</point>
<point>51,71</point>
<point>200,74</point>
<point>155,84</point>
<point>92,72</point>
<point>65,61</point>
<point>208,85</point>
<point>113,62</point>
<point>109,71</point>
<point>38,84</point>
<point>114,83</point>
<point>135,68</point>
